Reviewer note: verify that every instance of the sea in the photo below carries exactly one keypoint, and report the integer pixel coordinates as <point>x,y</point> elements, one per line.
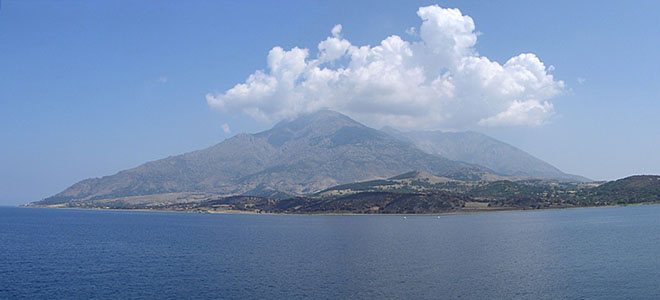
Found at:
<point>591,253</point>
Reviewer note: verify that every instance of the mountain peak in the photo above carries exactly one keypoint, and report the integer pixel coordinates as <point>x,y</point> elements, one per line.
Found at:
<point>322,117</point>
<point>317,124</point>
<point>327,113</point>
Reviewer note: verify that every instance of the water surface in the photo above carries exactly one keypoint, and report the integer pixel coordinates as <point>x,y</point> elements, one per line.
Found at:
<point>560,254</point>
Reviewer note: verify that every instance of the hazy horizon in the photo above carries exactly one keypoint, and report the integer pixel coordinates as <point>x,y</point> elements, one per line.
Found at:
<point>89,89</point>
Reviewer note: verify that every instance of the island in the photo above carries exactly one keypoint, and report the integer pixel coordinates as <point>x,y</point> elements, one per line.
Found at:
<point>416,192</point>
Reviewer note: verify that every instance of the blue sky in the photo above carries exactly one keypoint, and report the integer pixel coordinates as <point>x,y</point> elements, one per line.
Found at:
<point>88,88</point>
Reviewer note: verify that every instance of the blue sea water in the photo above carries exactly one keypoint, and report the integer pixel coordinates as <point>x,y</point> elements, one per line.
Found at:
<point>594,253</point>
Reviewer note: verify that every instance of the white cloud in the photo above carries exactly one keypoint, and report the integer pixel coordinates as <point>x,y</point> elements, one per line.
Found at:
<point>225,128</point>
<point>520,113</point>
<point>336,31</point>
<point>411,31</point>
<point>581,80</point>
<point>440,81</point>
<point>162,79</point>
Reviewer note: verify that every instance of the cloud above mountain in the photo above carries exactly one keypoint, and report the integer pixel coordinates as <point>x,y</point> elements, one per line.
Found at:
<point>437,81</point>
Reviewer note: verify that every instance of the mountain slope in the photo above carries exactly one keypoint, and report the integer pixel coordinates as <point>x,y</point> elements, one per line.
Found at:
<point>480,149</point>
<point>633,189</point>
<point>296,157</point>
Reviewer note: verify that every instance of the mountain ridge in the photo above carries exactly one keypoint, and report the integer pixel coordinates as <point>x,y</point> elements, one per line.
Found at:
<point>477,148</point>
<point>295,157</point>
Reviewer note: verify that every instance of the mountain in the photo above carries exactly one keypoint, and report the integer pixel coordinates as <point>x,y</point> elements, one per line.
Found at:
<point>480,149</point>
<point>296,157</point>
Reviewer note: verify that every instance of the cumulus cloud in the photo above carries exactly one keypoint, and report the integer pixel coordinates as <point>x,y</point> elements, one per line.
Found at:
<point>225,128</point>
<point>438,81</point>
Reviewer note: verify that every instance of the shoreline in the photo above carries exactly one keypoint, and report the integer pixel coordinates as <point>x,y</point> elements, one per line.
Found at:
<point>241,212</point>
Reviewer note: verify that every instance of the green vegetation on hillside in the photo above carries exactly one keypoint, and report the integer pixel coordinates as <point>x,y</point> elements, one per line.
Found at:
<point>414,193</point>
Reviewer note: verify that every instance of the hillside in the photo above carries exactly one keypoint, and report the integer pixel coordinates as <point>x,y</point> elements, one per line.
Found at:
<point>416,192</point>
<point>629,190</point>
<point>414,181</point>
<point>480,149</point>
<point>294,158</point>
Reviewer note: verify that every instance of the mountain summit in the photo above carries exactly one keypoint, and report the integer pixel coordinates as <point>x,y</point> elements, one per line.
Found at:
<point>295,157</point>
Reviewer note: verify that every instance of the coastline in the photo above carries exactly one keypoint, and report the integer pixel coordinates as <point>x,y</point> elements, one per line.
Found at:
<point>242,212</point>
